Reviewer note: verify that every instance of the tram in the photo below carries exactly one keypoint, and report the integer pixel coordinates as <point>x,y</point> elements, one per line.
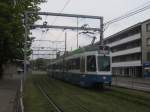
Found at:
<point>86,66</point>
<point>146,69</point>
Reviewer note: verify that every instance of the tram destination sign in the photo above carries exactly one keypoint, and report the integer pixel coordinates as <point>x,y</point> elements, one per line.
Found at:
<point>103,50</point>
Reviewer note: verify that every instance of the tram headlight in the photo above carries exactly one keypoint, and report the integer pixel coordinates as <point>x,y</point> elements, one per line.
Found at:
<point>104,77</point>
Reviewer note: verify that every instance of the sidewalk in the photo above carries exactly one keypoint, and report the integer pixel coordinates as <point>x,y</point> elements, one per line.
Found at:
<point>8,89</point>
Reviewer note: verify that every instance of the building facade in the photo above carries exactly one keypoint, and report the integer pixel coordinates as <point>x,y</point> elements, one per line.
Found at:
<point>130,49</point>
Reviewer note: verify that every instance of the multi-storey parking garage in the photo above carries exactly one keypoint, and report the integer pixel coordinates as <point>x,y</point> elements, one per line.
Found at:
<point>130,50</point>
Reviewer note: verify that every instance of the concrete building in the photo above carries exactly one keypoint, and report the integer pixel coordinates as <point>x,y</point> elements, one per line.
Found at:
<point>130,49</point>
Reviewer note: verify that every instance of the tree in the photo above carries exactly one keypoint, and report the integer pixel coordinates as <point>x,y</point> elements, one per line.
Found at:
<point>12,28</point>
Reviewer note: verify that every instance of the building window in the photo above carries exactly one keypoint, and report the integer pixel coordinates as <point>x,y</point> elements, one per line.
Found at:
<point>124,58</point>
<point>148,41</point>
<point>148,27</point>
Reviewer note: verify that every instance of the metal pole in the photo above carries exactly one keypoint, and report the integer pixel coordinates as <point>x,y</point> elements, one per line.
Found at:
<point>77,33</point>
<point>25,46</point>
<point>32,64</point>
<point>64,54</point>
<point>101,31</point>
<point>65,41</point>
<point>63,27</point>
<point>65,15</point>
<point>56,48</point>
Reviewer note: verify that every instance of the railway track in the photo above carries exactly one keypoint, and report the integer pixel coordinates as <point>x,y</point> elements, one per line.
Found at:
<point>57,96</point>
<point>49,99</point>
<point>114,93</point>
<point>73,102</point>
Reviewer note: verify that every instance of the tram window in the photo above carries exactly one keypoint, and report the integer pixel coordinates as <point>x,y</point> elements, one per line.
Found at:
<point>69,64</point>
<point>91,63</point>
<point>73,64</point>
<point>66,65</point>
<point>54,66</point>
<point>57,66</point>
<point>147,70</point>
<point>60,66</point>
<point>148,56</point>
<point>77,60</point>
<point>103,63</point>
<point>82,64</point>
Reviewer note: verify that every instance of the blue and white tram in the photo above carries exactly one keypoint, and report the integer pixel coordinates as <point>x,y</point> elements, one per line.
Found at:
<point>146,66</point>
<point>86,66</point>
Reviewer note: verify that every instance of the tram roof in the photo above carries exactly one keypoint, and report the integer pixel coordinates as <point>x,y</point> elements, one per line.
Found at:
<point>85,49</point>
<point>82,50</point>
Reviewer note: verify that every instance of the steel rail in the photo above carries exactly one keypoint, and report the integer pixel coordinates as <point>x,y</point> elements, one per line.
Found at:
<point>70,98</point>
<point>58,109</point>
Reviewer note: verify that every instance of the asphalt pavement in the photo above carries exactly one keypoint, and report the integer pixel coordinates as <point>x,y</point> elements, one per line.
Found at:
<point>8,89</point>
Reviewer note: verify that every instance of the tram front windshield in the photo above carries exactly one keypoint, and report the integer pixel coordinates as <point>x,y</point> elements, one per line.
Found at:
<point>91,63</point>
<point>103,63</point>
<point>147,70</point>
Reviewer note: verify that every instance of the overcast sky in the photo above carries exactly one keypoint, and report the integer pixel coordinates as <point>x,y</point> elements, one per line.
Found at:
<point>109,9</point>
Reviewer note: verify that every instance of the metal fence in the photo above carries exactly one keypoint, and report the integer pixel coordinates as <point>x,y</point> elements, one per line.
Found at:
<point>132,82</point>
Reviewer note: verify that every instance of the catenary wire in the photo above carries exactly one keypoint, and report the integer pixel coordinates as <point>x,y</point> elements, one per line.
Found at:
<point>131,13</point>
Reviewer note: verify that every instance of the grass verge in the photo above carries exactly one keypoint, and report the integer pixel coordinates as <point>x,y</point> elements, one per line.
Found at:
<point>69,97</point>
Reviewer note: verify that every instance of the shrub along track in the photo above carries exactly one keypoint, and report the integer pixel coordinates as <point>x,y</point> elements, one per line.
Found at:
<point>70,98</point>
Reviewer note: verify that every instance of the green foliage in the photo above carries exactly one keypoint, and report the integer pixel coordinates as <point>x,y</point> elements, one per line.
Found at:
<point>12,28</point>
